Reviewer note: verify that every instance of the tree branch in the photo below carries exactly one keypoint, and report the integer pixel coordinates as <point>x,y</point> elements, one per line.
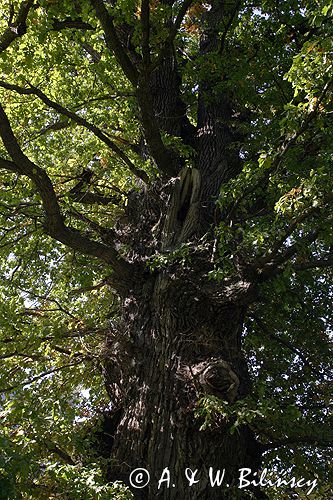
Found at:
<point>38,377</point>
<point>69,23</point>
<point>80,121</point>
<point>15,354</point>
<point>173,31</point>
<point>273,256</point>
<point>282,149</point>
<point>228,25</point>
<point>94,54</point>
<point>162,156</point>
<point>314,264</point>
<point>320,441</point>
<point>145,24</point>
<point>292,250</point>
<point>53,448</point>
<point>54,225</point>
<point>17,28</point>
<point>87,198</point>
<point>294,224</point>
<point>80,192</point>
<point>160,153</point>
<point>286,145</point>
<point>112,41</point>
<point>272,266</point>
<point>47,299</point>
<point>101,284</point>
<point>54,127</point>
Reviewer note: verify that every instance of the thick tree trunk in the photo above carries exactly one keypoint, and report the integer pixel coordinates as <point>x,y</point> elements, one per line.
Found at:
<point>180,334</point>
<point>179,346</point>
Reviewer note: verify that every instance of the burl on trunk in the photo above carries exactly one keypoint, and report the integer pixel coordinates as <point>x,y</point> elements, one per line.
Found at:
<point>179,339</point>
<point>180,335</point>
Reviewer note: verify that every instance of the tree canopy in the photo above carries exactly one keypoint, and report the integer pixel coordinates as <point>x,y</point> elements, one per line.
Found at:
<point>82,137</point>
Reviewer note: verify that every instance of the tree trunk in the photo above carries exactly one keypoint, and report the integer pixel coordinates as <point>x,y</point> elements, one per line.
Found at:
<point>174,346</point>
<point>180,335</point>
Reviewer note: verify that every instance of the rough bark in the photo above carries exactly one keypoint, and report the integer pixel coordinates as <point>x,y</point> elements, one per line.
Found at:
<point>179,339</point>
<point>175,347</point>
<point>180,334</point>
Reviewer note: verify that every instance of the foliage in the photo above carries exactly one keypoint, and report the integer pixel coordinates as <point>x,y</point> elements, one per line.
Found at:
<point>74,110</point>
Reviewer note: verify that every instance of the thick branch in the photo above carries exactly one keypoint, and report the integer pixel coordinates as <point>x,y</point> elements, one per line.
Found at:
<point>54,225</point>
<point>88,198</point>
<point>80,121</point>
<point>164,160</point>
<point>16,28</point>
<point>173,31</point>
<point>54,127</point>
<point>94,54</point>
<point>53,448</point>
<point>113,42</point>
<point>315,264</point>
<point>81,193</point>
<point>228,25</point>
<point>69,23</point>
<point>145,23</point>
<point>180,16</point>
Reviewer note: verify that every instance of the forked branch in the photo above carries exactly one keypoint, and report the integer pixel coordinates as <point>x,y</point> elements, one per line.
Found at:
<point>18,27</point>
<point>54,221</point>
<point>80,121</point>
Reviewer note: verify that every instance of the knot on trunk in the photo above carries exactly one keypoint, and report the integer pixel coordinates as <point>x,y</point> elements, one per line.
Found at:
<point>217,378</point>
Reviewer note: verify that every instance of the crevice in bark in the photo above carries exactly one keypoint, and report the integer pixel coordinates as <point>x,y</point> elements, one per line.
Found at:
<point>180,223</point>
<point>179,336</point>
<point>173,347</point>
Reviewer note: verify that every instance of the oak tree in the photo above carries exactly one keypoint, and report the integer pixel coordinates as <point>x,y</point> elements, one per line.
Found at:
<point>166,245</point>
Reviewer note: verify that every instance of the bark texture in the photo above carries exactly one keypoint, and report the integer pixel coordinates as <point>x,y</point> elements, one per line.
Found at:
<point>176,344</point>
<point>180,334</point>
